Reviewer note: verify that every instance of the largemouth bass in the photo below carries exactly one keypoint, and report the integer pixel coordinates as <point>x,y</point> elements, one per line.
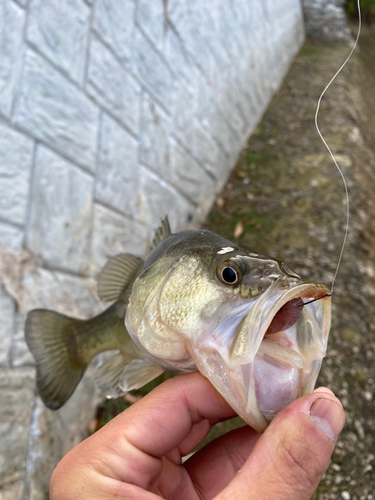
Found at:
<point>198,302</point>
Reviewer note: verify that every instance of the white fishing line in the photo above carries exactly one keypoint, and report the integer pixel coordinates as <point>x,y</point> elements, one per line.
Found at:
<point>329,149</point>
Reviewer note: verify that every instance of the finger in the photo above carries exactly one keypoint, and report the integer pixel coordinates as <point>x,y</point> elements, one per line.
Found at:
<point>292,455</point>
<point>196,436</point>
<point>129,447</point>
<point>164,418</point>
<point>213,467</point>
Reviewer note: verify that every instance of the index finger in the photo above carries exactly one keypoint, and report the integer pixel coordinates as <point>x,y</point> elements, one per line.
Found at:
<point>129,448</point>
<point>166,416</point>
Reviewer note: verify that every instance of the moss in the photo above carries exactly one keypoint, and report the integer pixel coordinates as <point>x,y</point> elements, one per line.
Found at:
<point>367,9</point>
<point>351,336</point>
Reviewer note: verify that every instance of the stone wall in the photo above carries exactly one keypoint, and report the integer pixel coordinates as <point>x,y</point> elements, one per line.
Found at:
<point>112,114</point>
<point>326,19</point>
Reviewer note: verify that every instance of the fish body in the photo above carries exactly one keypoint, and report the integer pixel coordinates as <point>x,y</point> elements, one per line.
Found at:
<point>199,301</point>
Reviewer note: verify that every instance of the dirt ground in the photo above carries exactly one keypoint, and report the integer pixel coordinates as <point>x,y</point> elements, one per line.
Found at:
<point>286,199</point>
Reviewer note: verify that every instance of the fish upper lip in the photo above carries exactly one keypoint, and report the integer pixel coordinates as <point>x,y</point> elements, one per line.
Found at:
<point>303,291</point>
<point>252,329</point>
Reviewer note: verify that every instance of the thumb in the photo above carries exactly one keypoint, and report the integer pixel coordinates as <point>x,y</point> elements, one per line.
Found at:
<point>290,458</point>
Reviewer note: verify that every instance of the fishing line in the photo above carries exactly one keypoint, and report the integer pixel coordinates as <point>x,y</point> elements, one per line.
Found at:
<point>314,300</point>
<point>330,152</point>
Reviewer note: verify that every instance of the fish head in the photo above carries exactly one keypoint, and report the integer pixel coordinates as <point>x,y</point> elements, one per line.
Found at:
<point>237,316</point>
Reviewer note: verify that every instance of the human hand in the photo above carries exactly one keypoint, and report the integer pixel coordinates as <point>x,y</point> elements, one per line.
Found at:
<point>137,455</point>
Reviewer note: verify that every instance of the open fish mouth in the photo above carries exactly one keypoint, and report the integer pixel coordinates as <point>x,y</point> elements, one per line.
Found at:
<point>275,354</point>
<point>279,347</point>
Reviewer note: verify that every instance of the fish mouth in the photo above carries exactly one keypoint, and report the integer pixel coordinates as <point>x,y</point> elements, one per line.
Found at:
<point>278,348</point>
<point>275,352</point>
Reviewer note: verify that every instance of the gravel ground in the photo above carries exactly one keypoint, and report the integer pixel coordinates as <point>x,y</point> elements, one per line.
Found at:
<point>286,199</point>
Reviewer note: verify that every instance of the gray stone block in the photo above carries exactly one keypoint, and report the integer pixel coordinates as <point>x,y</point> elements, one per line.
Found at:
<point>188,176</point>
<point>16,152</point>
<point>151,69</point>
<point>205,95</point>
<point>158,199</point>
<point>150,18</point>
<point>177,57</point>
<point>114,22</point>
<point>60,30</point>
<point>112,86</point>
<point>22,3</point>
<point>19,354</point>
<point>7,312</point>
<point>53,434</point>
<point>62,292</point>
<point>10,236</point>
<point>17,389</point>
<point>192,21</point>
<point>205,149</point>
<point>114,234</point>
<point>11,28</point>
<point>45,450</point>
<point>183,116</point>
<point>223,167</point>
<point>215,125</point>
<point>154,140</point>
<point>12,491</point>
<point>61,212</point>
<point>52,109</point>
<point>117,169</point>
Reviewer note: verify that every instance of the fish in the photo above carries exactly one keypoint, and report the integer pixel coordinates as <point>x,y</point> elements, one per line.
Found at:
<point>246,321</point>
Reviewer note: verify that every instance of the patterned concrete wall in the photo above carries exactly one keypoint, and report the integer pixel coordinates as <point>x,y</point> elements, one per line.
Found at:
<point>326,19</point>
<point>112,114</point>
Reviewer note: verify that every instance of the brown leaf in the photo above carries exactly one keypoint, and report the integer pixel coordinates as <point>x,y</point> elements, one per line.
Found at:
<point>240,173</point>
<point>220,202</point>
<point>238,230</point>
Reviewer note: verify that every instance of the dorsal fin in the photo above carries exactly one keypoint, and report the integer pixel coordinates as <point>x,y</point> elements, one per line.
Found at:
<point>118,273</point>
<point>163,232</point>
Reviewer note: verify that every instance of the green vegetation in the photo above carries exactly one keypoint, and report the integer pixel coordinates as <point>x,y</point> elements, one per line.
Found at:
<point>367,9</point>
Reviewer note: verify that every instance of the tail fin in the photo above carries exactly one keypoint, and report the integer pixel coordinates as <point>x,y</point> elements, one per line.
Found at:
<point>48,335</point>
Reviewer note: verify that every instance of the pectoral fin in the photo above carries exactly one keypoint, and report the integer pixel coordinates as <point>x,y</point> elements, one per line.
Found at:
<point>107,376</point>
<point>138,373</point>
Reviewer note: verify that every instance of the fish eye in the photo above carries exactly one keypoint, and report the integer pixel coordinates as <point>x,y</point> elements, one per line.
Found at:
<point>228,273</point>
